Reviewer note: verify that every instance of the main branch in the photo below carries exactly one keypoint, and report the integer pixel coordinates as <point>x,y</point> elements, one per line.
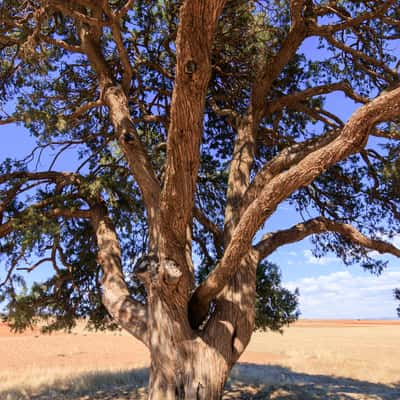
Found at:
<point>197,23</point>
<point>115,98</point>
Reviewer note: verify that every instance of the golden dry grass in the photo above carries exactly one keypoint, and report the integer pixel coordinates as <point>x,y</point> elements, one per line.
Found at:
<point>313,360</point>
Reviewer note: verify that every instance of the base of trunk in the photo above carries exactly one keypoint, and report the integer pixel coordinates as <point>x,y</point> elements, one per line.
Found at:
<point>188,388</point>
<point>195,375</point>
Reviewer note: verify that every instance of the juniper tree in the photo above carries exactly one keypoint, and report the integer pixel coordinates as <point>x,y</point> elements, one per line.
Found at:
<point>189,124</point>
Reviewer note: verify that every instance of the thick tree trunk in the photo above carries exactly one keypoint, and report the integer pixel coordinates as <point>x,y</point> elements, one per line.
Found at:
<point>194,371</point>
<point>194,364</point>
<point>187,363</point>
<point>183,365</point>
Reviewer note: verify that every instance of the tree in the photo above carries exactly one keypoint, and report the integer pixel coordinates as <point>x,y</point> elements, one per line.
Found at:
<point>190,122</point>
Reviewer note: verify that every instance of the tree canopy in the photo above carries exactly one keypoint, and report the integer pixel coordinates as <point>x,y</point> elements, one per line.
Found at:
<point>186,124</point>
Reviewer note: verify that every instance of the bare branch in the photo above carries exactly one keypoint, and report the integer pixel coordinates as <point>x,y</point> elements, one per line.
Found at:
<point>117,36</point>
<point>115,98</point>
<point>62,44</point>
<point>9,226</point>
<point>319,115</point>
<point>130,314</point>
<point>67,177</point>
<point>68,8</point>
<point>349,22</point>
<point>244,149</point>
<point>287,158</point>
<point>34,266</point>
<point>124,10</point>
<point>273,240</point>
<point>297,97</point>
<point>359,55</point>
<point>9,120</point>
<point>385,134</point>
<point>85,107</point>
<point>224,112</point>
<point>13,265</point>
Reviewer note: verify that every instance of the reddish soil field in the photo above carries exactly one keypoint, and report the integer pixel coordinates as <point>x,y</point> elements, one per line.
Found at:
<point>313,359</point>
<point>309,323</point>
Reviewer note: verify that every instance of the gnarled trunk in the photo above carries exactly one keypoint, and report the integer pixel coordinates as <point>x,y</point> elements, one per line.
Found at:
<point>194,364</point>
<point>194,371</point>
<point>183,364</point>
<point>187,362</point>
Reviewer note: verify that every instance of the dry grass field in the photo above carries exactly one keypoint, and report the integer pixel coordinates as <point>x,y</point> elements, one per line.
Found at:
<point>312,360</point>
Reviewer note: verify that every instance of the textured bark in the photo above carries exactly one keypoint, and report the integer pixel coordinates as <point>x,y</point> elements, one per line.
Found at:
<point>198,19</point>
<point>245,144</point>
<point>231,326</point>
<point>184,365</point>
<point>116,99</point>
<point>273,240</point>
<point>239,175</point>
<point>195,371</point>
<point>135,153</point>
<point>130,314</point>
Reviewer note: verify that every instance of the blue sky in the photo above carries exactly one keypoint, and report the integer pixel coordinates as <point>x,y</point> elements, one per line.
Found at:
<point>329,289</point>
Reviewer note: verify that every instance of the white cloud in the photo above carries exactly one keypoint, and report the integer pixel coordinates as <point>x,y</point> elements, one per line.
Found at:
<point>345,295</point>
<point>317,260</point>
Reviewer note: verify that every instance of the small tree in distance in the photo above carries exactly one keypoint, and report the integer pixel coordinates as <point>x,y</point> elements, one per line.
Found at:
<point>188,123</point>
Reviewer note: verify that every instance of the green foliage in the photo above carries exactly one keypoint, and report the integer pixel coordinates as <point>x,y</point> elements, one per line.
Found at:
<point>276,306</point>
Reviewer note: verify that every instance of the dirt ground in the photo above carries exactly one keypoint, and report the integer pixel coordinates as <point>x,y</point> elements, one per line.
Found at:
<point>340,360</point>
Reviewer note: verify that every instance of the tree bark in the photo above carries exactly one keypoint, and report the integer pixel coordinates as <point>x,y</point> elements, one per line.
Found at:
<point>194,370</point>
<point>191,363</point>
<point>195,364</point>
<point>183,364</point>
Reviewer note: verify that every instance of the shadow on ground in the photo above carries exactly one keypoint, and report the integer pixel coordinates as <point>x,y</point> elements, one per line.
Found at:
<point>247,381</point>
<point>279,383</point>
